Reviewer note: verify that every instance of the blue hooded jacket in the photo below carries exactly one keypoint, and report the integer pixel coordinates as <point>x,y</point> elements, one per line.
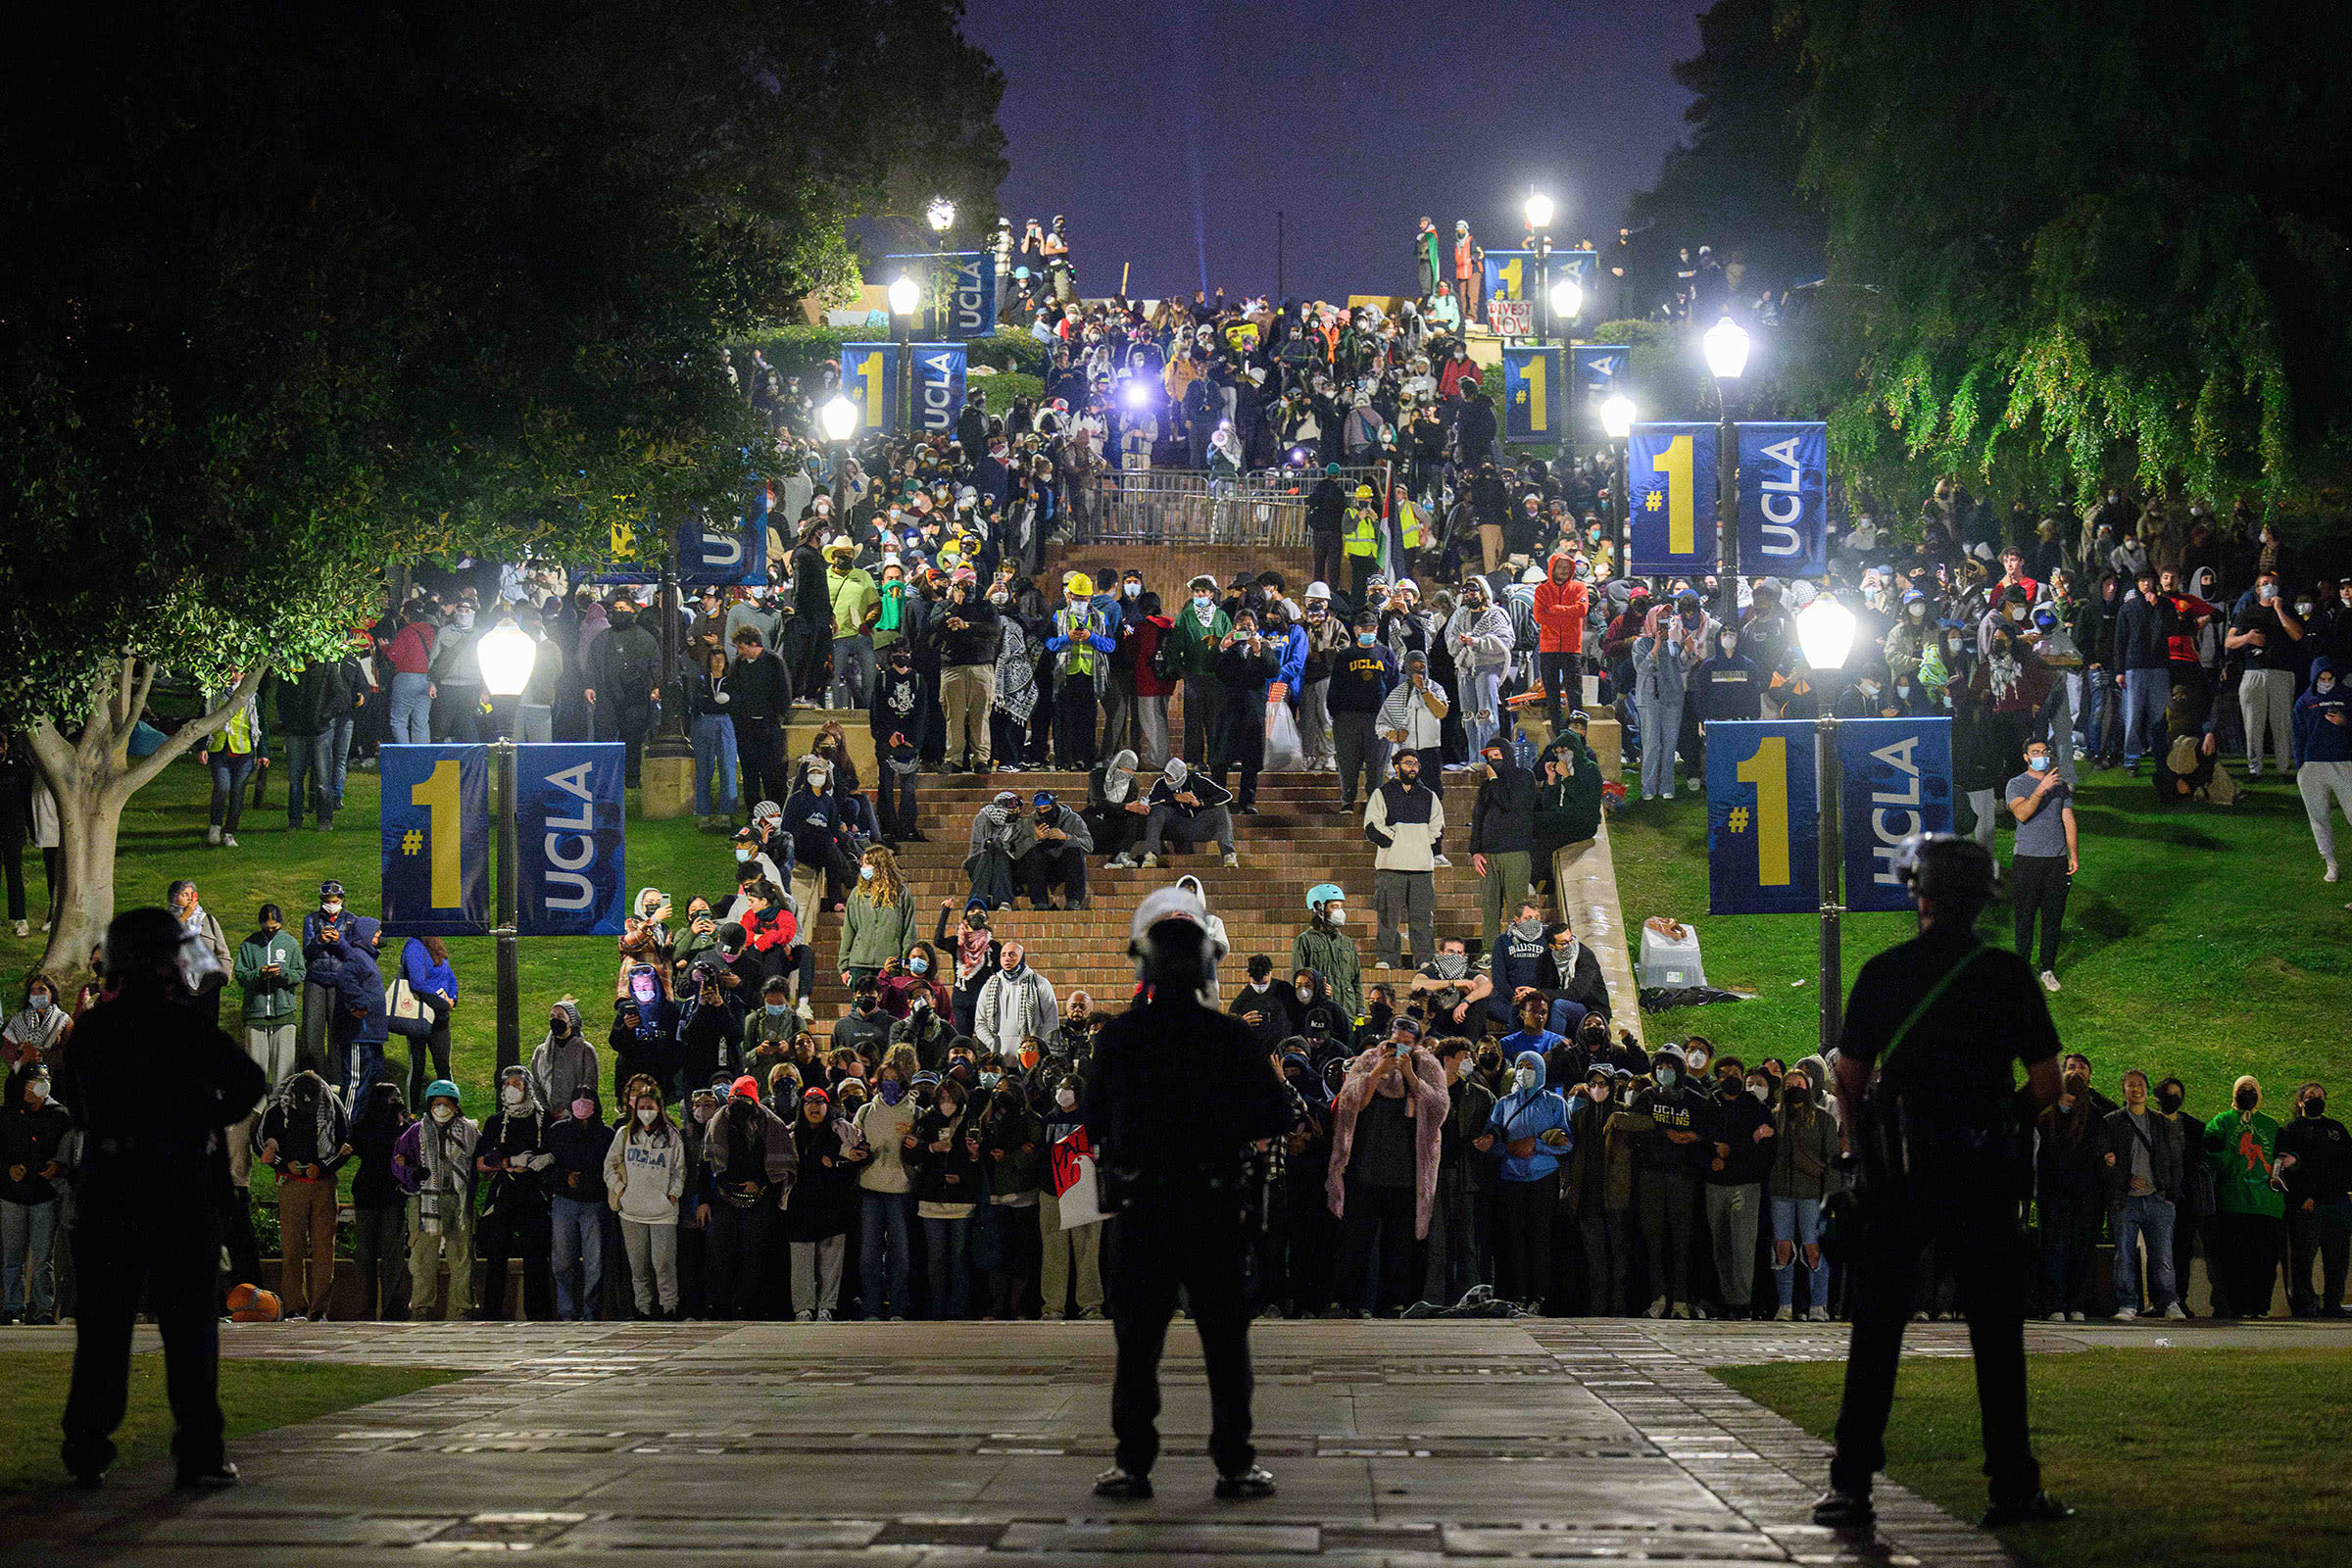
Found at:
<point>2316,739</point>
<point>360,985</point>
<point>1530,1113</point>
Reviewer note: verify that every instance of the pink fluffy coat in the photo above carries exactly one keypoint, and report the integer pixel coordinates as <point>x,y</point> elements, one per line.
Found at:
<point>1429,1107</point>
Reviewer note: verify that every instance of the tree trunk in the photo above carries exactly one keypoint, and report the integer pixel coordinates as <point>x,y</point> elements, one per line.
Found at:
<point>93,777</point>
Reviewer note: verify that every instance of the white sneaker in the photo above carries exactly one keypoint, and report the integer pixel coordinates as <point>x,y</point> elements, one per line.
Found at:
<point>1683,1312</point>
<point>1440,859</point>
<point>228,841</point>
<point>211,836</point>
<point>2127,1314</point>
<point>1150,860</point>
<point>1818,1314</point>
<point>22,929</point>
<point>2176,1312</point>
<point>1232,859</point>
<point>2075,1317</point>
<point>1786,1315</point>
<point>807,1012</point>
<point>1657,1308</point>
<point>2057,1317</point>
<point>1123,862</point>
<point>2050,980</point>
<point>804,1315</point>
<point>824,1314</point>
<point>2330,876</point>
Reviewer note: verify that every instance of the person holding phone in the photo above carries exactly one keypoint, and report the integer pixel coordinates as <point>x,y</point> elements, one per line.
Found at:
<point>1532,1125</point>
<point>269,970</point>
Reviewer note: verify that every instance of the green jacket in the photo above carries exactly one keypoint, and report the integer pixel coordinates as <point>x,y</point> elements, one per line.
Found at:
<point>1331,955</point>
<point>270,997</point>
<point>871,937</point>
<point>1569,811</point>
<point>2241,1145</point>
<point>1196,647</point>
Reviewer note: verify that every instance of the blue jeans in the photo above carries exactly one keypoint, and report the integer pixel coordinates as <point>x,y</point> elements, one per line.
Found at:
<point>578,1239</point>
<point>338,755</point>
<point>713,750</point>
<point>230,773</point>
<point>2149,1218</point>
<point>411,710</point>
<point>1483,692</point>
<point>884,1263</point>
<point>950,1244</point>
<point>308,768</point>
<point>29,1238</point>
<point>1797,1220</point>
<point>2146,694</point>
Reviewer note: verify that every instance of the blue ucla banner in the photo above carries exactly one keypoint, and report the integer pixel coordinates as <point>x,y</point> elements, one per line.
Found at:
<point>709,552</point>
<point>972,296</point>
<point>1598,368</point>
<point>1784,474</point>
<point>435,818</point>
<point>938,385</point>
<point>870,379</point>
<point>1583,265</point>
<point>1531,393</point>
<point>571,840</point>
<point>1763,818</point>
<point>1669,487</point>
<point>1897,781</point>
<point>1509,276</point>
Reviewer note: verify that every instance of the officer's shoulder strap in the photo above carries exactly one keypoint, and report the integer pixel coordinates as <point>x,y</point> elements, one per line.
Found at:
<point>1919,1009</point>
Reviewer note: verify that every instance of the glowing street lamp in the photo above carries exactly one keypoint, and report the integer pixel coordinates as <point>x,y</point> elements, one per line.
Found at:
<point>1538,209</point>
<point>905,295</point>
<point>841,418</point>
<point>1617,416</point>
<point>939,215</point>
<point>507,653</point>
<point>1725,349</point>
<point>1825,630</point>
<point>1567,299</point>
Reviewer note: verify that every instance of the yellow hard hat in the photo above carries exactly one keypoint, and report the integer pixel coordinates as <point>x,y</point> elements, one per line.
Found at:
<point>1078,582</point>
<point>1363,492</point>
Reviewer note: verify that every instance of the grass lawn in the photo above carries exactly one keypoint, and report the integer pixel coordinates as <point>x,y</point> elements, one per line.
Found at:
<point>256,1395</point>
<point>2197,942</point>
<point>2221,1458</point>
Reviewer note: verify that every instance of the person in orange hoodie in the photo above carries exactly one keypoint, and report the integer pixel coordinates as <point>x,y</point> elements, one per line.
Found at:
<point>1561,602</point>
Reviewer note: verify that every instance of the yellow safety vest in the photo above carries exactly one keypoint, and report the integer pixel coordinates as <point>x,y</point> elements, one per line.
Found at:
<point>1408,523</point>
<point>1363,531</point>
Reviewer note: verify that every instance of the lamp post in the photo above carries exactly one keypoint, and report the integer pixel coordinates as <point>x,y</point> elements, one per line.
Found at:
<point>939,215</point>
<point>839,417</point>
<point>1538,209</point>
<point>507,653</point>
<point>1726,350</point>
<point>1824,631</point>
<point>904,296</point>
<point>1617,416</point>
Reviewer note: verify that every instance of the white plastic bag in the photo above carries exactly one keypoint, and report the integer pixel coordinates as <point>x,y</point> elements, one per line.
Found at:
<point>1284,753</point>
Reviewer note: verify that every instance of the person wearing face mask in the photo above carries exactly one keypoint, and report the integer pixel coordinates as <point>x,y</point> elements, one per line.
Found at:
<point>2324,741</point>
<point>2315,1163</point>
<point>824,1204</point>
<point>1326,948</point>
<point>563,1062</point>
<point>433,1163</point>
<point>623,667</point>
<point>2042,868</point>
<point>751,1163</point>
<point>855,607</point>
<point>1014,1159</point>
<point>456,673</point>
<point>1668,1159</point>
<point>1200,629</point>
<point>1665,655</point>
<point>2241,1149</point>
<point>36,1150</point>
<point>510,1161</point>
<point>2144,631</point>
<point>942,1150</point>
<point>1363,673</point>
<point>1561,605</point>
<point>1246,664</point>
<point>2070,1155</point>
<point>1406,820</point>
<point>1727,683</point>
<point>1597,1187</point>
<point>578,1145</point>
<point>1260,1007</point>
<point>1934,1031</point>
<point>1530,1125</point>
<point>1736,1131</point>
<point>2268,634</point>
<point>379,1241</point>
<point>886,1201</point>
<point>1070,1271</point>
<point>33,1033</point>
<point>969,638</point>
<point>1801,1154</point>
<point>878,922</point>
<point>2141,1175</point>
<point>1078,647</point>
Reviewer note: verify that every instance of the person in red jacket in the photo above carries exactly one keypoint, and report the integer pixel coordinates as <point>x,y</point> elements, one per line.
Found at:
<point>1560,609</point>
<point>1152,690</point>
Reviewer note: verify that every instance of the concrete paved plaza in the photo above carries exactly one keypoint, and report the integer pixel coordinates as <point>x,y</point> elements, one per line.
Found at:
<point>916,1444</point>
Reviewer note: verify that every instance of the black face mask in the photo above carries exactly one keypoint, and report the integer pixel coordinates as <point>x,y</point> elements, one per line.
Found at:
<point>2168,1100</point>
<point>2315,1107</point>
<point>2248,1101</point>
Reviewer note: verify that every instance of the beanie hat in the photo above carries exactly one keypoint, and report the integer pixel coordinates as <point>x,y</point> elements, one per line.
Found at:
<point>746,1087</point>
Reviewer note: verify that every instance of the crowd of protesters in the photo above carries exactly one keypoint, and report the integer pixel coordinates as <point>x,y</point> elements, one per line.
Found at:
<point>1464,1110</point>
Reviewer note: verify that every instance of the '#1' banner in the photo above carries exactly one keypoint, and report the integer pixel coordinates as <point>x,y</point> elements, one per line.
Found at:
<point>1784,472</point>
<point>1763,827</point>
<point>436,840</point>
<point>1531,393</point>
<point>938,386</point>
<point>870,379</point>
<point>1670,485</point>
<point>571,840</point>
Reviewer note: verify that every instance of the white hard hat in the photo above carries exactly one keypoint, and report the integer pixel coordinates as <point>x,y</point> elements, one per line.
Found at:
<point>1318,590</point>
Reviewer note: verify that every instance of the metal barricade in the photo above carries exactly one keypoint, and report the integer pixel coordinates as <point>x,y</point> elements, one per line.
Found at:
<point>1186,506</point>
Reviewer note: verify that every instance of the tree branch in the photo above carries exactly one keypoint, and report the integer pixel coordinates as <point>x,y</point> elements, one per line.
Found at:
<point>141,773</point>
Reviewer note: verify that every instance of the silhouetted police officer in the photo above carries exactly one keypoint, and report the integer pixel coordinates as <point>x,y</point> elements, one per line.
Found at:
<point>150,1084</point>
<point>1179,1095</point>
<point>1938,1126</point>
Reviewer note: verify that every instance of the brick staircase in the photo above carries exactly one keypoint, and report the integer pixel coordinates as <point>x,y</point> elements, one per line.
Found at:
<point>1294,843</point>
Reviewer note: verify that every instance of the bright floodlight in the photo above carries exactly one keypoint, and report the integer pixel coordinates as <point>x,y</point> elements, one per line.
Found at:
<point>1617,416</point>
<point>939,215</point>
<point>507,652</point>
<point>841,418</point>
<point>1538,209</point>
<point>904,296</point>
<point>1139,394</point>
<point>1567,298</point>
<point>1726,347</point>
<point>1824,630</point>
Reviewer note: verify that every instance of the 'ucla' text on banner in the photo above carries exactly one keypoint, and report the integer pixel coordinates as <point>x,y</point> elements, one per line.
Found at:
<point>1763,852</point>
<point>938,385</point>
<point>435,840</point>
<point>972,300</point>
<point>1897,781</point>
<point>870,379</point>
<point>1531,393</point>
<point>1597,367</point>
<point>1784,472</point>
<point>1670,486</point>
<point>571,840</point>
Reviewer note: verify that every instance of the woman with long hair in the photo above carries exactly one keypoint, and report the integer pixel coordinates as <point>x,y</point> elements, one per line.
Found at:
<point>877,925</point>
<point>645,1176</point>
<point>425,969</point>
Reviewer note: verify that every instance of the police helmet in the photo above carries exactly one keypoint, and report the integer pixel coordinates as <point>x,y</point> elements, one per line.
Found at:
<point>1949,869</point>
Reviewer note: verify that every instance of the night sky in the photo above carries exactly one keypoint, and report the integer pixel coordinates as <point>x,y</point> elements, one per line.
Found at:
<point>1169,132</point>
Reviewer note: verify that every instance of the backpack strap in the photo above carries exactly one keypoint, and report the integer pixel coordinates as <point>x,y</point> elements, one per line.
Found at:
<point>1919,1009</point>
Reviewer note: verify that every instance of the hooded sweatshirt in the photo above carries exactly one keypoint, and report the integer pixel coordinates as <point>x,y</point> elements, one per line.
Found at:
<point>1559,609</point>
<point>1527,1112</point>
<point>2316,738</point>
<point>645,1172</point>
<point>558,1068</point>
<point>307,1123</point>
